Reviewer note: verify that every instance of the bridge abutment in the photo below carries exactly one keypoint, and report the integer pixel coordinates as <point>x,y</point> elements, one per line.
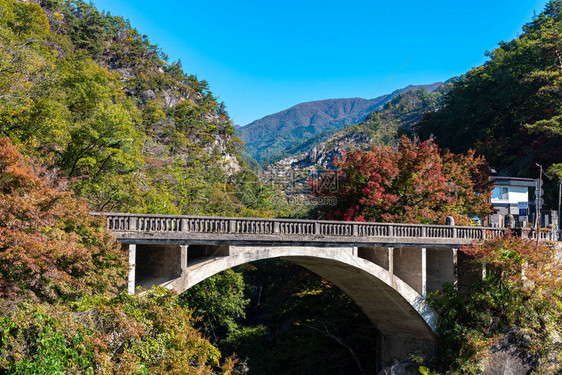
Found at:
<point>157,264</point>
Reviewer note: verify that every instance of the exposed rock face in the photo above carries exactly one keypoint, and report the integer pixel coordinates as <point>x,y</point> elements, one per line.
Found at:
<point>508,358</point>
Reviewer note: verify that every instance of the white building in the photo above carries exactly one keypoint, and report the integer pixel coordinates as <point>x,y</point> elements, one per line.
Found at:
<point>508,192</point>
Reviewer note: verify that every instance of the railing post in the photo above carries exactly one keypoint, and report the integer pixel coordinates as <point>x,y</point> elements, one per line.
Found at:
<point>424,231</point>
<point>275,227</point>
<point>316,228</point>
<point>132,223</point>
<point>450,221</point>
<point>231,226</point>
<point>390,230</point>
<point>354,229</point>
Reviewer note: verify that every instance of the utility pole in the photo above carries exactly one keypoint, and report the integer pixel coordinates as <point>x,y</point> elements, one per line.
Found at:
<point>559,202</point>
<point>538,195</point>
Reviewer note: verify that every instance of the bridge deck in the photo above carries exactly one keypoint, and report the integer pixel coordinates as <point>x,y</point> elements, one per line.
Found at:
<point>145,228</point>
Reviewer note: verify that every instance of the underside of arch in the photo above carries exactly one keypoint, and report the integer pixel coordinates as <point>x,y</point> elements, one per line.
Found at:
<point>393,306</point>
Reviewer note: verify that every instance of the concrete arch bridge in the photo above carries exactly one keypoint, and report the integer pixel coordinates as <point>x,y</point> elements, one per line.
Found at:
<point>385,268</point>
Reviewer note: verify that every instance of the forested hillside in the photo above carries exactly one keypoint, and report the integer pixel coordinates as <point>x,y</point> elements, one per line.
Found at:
<point>277,135</point>
<point>381,128</point>
<point>94,117</point>
<point>88,96</point>
<point>509,109</point>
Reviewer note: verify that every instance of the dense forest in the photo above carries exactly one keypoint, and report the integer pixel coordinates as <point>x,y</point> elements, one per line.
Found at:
<point>94,117</point>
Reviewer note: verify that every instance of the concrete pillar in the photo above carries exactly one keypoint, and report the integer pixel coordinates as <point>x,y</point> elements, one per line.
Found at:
<point>183,259</point>
<point>455,269</point>
<point>441,267</point>
<point>183,268</point>
<point>132,268</point>
<point>468,273</point>
<point>424,271</point>
<point>377,255</point>
<point>409,265</point>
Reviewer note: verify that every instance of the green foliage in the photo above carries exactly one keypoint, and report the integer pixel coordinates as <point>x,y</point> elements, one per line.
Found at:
<point>92,99</point>
<point>294,321</point>
<point>519,301</point>
<point>108,335</point>
<point>382,127</point>
<point>298,306</point>
<point>509,108</point>
<point>52,352</point>
<point>220,301</point>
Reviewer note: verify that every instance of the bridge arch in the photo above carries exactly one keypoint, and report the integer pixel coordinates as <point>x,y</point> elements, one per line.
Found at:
<point>394,307</point>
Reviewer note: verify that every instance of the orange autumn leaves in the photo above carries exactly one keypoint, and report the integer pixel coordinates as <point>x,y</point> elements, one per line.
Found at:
<point>51,248</point>
<point>410,183</point>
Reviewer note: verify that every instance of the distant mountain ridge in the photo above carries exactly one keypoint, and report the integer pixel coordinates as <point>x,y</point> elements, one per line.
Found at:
<point>381,128</point>
<point>268,137</point>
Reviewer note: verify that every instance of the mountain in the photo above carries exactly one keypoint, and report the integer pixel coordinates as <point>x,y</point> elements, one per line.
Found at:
<point>381,127</point>
<point>269,137</point>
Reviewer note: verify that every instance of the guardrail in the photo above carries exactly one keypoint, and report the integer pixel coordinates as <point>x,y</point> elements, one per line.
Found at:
<point>119,222</point>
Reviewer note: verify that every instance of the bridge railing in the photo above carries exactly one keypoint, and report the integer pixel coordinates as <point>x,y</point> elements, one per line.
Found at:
<point>119,222</point>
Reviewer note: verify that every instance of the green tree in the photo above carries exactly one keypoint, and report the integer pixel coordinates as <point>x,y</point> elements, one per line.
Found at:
<point>109,335</point>
<point>219,301</point>
<point>509,108</point>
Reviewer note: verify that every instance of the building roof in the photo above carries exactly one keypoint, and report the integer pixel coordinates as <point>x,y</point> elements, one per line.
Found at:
<point>513,181</point>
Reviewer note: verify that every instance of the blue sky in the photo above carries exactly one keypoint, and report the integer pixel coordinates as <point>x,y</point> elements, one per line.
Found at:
<point>261,57</point>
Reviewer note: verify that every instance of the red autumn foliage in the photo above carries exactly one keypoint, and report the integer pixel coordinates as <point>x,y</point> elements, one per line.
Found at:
<point>520,260</point>
<point>50,246</point>
<point>410,183</point>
